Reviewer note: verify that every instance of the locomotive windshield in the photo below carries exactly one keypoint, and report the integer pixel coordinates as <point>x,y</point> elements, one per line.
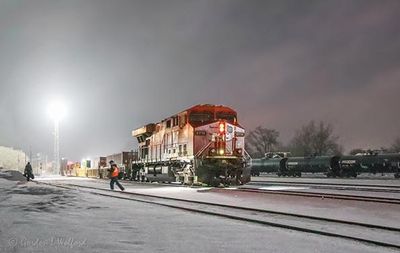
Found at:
<point>230,117</point>
<point>200,118</point>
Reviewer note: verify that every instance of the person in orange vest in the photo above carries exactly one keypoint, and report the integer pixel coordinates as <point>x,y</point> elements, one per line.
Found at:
<point>114,176</point>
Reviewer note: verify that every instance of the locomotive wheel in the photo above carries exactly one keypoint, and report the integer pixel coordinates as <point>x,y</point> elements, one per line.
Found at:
<point>206,175</point>
<point>215,173</point>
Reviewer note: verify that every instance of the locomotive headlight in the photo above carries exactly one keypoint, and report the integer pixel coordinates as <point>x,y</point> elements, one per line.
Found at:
<point>221,151</point>
<point>221,128</point>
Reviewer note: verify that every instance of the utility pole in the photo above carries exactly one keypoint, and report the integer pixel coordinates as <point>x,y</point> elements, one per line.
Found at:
<point>56,147</point>
<point>45,165</point>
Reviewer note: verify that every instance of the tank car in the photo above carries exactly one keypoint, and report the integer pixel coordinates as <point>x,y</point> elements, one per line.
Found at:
<point>267,165</point>
<point>373,163</point>
<point>295,166</point>
<point>393,163</point>
<point>332,166</point>
<point>350,166</point>
<point>203,144</point>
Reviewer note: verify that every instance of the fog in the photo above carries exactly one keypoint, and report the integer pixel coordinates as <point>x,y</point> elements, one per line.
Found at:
<point>121,64</point>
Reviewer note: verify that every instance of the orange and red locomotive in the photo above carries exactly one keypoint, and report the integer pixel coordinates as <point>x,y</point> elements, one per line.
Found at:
<point>203,144</point>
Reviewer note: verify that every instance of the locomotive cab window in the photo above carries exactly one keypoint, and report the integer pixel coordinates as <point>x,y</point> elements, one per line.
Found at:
<point>200,118</point>
<point>231,118</point>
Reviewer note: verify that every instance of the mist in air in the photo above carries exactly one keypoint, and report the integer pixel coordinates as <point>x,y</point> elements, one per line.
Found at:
<point>118,65</point>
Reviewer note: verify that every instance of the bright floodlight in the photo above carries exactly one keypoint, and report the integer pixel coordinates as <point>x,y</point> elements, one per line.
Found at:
<point>57,110</point>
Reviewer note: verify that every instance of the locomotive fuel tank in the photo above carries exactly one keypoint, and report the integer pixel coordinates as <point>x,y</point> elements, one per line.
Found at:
<point>159,173</point>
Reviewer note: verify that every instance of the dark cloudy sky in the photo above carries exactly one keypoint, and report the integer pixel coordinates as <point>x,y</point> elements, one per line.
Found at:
<point>119,64</point>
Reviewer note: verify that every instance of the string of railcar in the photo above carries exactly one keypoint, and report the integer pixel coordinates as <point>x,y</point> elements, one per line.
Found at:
<point>331,166</point>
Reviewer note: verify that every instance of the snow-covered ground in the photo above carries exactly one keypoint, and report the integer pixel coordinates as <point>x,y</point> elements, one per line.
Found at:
<point>38,218</point>
<point>364,212</point>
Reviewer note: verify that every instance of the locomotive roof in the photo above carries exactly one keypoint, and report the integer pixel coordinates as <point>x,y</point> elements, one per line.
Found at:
<point>204,107</point>
<point>210,107</point>
<point>196,108</point>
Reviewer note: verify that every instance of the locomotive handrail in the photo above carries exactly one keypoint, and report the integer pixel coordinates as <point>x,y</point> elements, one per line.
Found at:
<point>202,150</point>
<point>247,157</point>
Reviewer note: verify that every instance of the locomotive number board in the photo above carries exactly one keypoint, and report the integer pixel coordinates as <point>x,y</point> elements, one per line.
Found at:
<point>239,134</point>
<point>200,132</point>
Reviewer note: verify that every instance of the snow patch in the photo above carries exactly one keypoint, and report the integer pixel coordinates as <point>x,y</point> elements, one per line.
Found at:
<point>280,188</point>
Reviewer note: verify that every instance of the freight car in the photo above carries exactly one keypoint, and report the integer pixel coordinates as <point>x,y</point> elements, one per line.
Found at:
<point>270,163</point>
<point>332,166</point>
<point>99,167</point>
<point>203,144</point>
<point>267,165</point>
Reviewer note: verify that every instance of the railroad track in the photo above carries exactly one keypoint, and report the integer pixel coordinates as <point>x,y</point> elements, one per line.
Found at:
<point>285,192</point>
<point>255,182</point>
<point>316,175</point>
<point>332,186</point>
<point>361,232</point>
<point>321,195</point>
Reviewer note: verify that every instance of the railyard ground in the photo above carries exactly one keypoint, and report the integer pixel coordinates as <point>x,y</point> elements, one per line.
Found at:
<point>40,218</point>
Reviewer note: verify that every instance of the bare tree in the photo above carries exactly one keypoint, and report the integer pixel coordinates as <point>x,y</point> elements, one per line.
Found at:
<point>261,140</point>
<point>396,145</point>
<point>315,139</point>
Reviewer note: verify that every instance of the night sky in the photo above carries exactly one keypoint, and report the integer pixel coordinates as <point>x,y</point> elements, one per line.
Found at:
<point>120,64</point>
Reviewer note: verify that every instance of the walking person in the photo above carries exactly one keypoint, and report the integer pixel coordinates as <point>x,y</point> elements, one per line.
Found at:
<point>114,173</point>
<point>28,173</point>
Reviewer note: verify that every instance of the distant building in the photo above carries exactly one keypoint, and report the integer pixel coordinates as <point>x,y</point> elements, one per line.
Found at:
<point>13,159</point>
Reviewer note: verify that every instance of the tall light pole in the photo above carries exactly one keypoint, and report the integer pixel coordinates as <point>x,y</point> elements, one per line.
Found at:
<point>57,110</point>
<point>56,151</point>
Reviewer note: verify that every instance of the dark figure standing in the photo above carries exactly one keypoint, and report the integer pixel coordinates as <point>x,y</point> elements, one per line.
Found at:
<point>135,171</point>
<point>114,173</point>
<point>28,173</point>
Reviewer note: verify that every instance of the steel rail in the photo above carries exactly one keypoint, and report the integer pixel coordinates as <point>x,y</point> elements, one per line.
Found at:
<point>260,182</point>
<point>292,192</point>
<point>394,201</point>
<point>237,207</point>
<point>340,188</point>
<point>129,196</point>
